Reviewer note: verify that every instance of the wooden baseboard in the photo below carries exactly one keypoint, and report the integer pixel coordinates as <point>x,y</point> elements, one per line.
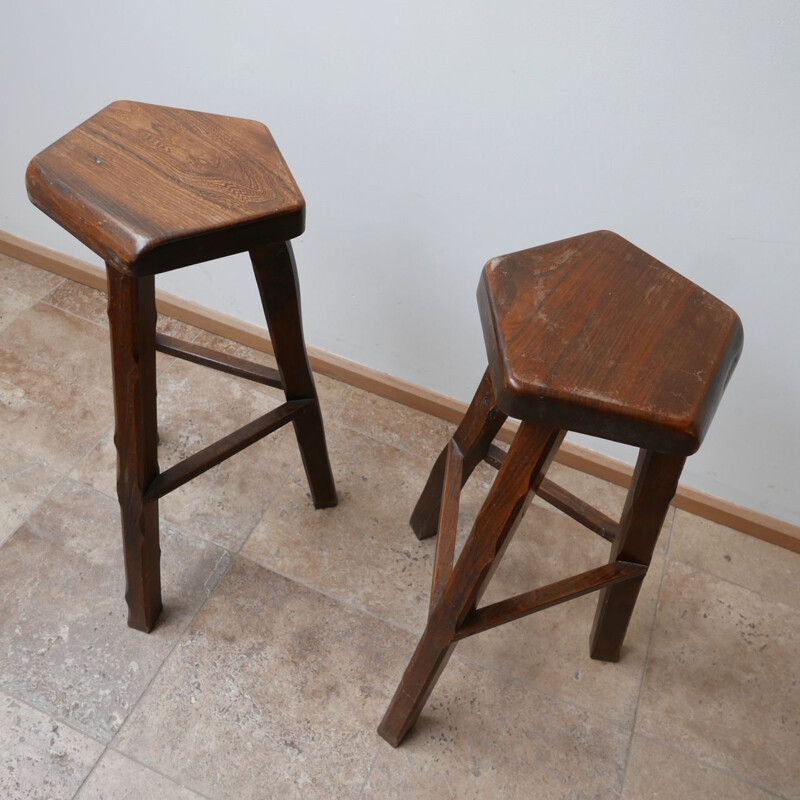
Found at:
<point>762,526</point>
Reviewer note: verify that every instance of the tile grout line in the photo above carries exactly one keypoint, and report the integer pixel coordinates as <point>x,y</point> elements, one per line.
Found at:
<point>50,715</point>
<point>232,555</point>
<point>61,478</point>
<point>710,765</point>
<point>158,772</point>
<point>714,767</point>
<point>86,455</point>
<point>108,748</point>
<point>61,721</point>
<point>689,755</point>
<point>766,597</point>
<point>647,653</point>
<point>370,771</point>
<point>30,457</point>
<point>352,606</point>
<point>400,447</point>
<point>49,291</point>
<point>188,534</point>
<point>71,313</point>
<point>58,717</point>
<point>32,464</point>
<point>90,772</point>
<point>98,324</point>
<point>266,509</point>
<point>166,658</point>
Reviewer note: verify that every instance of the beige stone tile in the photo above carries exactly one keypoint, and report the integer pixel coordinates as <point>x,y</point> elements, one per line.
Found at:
<point>83,301</point>
<point>174,327</point>
<point>723,679</point>
<point>550,649</point>
<point>196,407</point>
<point>26,279</point>
<point>91,304</point>
<point>658,773</point>
<point>274,691</point>
<point>24,483</point>
<point>98,468</point>
<point>21,285</point>
<point>603,495</point>
<point>485,735</point>
<point>43,759</point>
<point>182,391</point>
<point>363,551</point>
<point>118,778</point>
<point>331,392</point>
<point>607,497</point>
<point>395,424</point>
<point>765,568</point>
<point>55,386</point>
<point>67,648</point>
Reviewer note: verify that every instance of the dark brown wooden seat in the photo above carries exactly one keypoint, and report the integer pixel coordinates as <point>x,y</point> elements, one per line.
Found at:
<point>594,335</point>
<point>150,189</point>
<point>588,334</point>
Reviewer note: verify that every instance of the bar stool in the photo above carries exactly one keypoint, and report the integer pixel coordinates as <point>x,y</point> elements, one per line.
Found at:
<point>151,189</point>
<point>588,334</point>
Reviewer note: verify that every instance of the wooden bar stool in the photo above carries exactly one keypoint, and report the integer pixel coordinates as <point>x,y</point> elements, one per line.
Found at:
<point>588,334</point>
<point>151,189</point>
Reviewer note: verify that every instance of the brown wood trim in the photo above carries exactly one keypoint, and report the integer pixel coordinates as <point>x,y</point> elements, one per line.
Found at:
<point>52,260</point>
<point>754,523</point>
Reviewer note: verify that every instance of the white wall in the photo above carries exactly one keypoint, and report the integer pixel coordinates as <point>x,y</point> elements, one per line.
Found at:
<point>430,136</point>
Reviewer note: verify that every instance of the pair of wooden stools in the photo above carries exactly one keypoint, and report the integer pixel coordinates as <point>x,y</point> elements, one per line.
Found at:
<point>588,334</point>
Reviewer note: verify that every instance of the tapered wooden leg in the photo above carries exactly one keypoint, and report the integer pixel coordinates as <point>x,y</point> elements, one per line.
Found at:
<point>519,477</point>
<point>655,481</point>
<point>473,436</point>
<point>276,275</point>
<point>132,318</point>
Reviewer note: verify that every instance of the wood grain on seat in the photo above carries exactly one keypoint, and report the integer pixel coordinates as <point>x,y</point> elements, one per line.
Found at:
<point>594,335</point>
<point>150,188</point>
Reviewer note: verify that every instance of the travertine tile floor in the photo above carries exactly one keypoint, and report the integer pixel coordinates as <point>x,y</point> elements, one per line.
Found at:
<point>286,629</point>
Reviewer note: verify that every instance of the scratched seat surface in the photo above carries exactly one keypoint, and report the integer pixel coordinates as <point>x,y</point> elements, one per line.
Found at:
<point>150,188</point>
<point>594,335</point>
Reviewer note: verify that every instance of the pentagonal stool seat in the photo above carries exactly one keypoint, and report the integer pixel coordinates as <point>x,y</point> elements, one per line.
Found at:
<point>594,335</point>
<point>151,189</point>
<point>588,334</point>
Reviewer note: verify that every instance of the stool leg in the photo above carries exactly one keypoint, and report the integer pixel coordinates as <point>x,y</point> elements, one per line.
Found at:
<point>276,275</point>
<point>132,319</point>
<point>519,477</point>
<point>473,436</point>
<point>655,481</point>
